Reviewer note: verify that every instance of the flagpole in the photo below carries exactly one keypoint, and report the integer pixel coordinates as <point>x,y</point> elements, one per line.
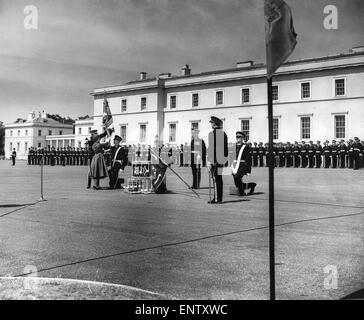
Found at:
<point>271,193</point>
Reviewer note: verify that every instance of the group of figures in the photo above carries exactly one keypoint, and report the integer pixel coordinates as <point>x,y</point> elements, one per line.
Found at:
<point>59,156</point>
<point>309,155</point>
<point>98,168</point>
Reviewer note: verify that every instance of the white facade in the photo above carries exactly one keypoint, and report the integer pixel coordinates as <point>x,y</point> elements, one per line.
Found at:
<point>32,133</point>
<point>76,140</point>
<point>318,99</point>
<point>82,131</point>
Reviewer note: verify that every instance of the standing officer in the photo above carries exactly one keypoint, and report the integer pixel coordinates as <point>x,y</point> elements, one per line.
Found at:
<point>326,151</point>
<point>242,164</point>
<point>342,151</point>
<point>296,154</point>
<point>198,157</point>
<point>288,155</point>
<point>254,152</point>
<point>13,157</point>
<point>261,153</point>
<point>266,150</point>
<point>350,154</point>
<point>94,137</point>
<point>304,153</point>
<point>318,154</point>
<point>40,156</point>
<point>334,152</point>
<point>281,152</point>
<point>311,154</point>
<point>29,156</point>
<point>357,150</point>
<point>217,156</point>
<point>52,157</point>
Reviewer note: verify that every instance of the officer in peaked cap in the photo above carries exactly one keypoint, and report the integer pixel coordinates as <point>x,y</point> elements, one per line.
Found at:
<point>198,157</point>
<point>242,164</point>
<point>217,156</point>
<point>119,160</point>
<point>94,137</point>
<point>318,154</point>
<point>334,153</point>
<point>216,121</point>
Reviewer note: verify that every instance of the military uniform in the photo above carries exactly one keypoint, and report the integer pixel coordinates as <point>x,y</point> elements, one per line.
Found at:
<point>350,154</point>
<point>281,155</point>
<point>318,154</point>
<point>254,152</point>
<point>288,155</point>
<point>342,152</point>
<point>261,153</point>
<point>357,150</point>
<point>198,156</point>
<point>52,157</point>
<point>91,152</point>
<point>334,153</point>
<point>119,160</point>
<point>326,151</point>
<point>296,155</point>
<point>29,157</point>
<point>311,155</point>
<point>217,156</point>
<point>304,154</point>
<point>13,157</point>
<point>266,150</point>
<point>243,164</point>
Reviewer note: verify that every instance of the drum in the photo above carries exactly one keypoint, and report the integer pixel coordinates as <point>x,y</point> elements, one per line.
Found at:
<point>133,185</point>
<point>139,185</point>
<point>141,168</point>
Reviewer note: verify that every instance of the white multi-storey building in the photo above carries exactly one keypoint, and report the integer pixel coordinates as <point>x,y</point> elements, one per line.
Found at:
<point>314,99</point>
<point>32,132</point>
<point>40,131</point>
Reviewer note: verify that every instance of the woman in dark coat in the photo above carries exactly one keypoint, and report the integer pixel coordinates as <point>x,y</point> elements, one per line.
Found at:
<point>98,169</point>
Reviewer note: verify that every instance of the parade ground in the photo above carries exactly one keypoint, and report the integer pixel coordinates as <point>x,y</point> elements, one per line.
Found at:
<point>175,245</point>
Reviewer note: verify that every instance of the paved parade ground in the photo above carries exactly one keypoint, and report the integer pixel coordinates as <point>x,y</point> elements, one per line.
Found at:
<point>177,246</point>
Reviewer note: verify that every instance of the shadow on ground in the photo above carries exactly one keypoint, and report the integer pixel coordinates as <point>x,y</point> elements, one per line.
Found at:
<point>358,295</point>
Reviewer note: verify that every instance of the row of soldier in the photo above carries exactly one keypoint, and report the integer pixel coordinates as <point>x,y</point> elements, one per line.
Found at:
<point>298,155</point>
<point>58,156</point>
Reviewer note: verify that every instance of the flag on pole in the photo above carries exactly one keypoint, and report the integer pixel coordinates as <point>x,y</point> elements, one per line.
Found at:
<point>280,34</point>
<point>107,120</point>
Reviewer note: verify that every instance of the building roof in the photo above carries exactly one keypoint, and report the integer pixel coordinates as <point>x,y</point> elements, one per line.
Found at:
<point>259,67</point>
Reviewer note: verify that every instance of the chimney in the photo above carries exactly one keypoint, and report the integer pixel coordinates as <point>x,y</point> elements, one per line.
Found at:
<point>357,49</point>
<point>186,71</point>
<point>31,115</point>
<point>143,76</point>
<point>164,76</point>
<point>245,64</point>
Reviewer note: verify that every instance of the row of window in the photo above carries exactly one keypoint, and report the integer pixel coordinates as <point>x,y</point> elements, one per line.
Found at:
<point>305,87</point>
<point>88,130</point>
<point>40,132</point>
<point>50,132</point>
<point>305,127</point>
<point>245,126</point>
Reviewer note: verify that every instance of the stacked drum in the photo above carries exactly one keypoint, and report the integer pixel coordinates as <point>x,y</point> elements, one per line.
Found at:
<point>141,180</point>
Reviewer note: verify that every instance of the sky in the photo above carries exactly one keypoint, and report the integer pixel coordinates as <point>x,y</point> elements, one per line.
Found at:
<point>85,44</point>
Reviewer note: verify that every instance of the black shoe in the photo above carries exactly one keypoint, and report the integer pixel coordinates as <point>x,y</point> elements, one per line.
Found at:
<point>88,187</point>
<point>214,202</point>
<point>96,188</point>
